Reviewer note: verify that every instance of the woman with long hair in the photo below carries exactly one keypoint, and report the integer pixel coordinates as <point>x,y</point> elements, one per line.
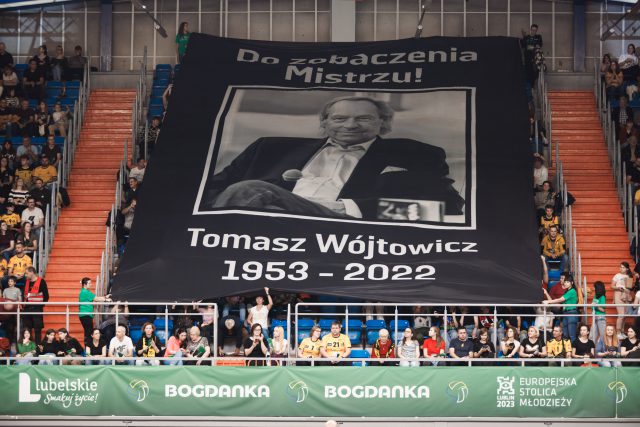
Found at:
<point>7,241</point>
<point>25,348</point>
<point>70,349</point>
<point>18,195</point>
<point>256,345</point>
<point>279,344</point>
<point>608,347</point>
<point>569,310</point>
<point>182,39</point>
<point>599,322</point>
<point>613,81</point>
<point>621,284</point>
<point>630,346</point>
<point>148,346</point>
<point>43,61</point>
<point>409,350</point>
<point>28,239</point>
<point>96,348</point>
<point>510,346</point>
<point>6,174</point>
<point>309,348</point>
<point>42,118</point>
<point>9,153</point>
<point>434,346</point>
<point>49,348</point>
<point>176,346</point>
<point>605,64</point>
<point>86,311</point>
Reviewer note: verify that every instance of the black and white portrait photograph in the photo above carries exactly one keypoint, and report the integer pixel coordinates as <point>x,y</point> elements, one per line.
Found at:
<point>388,157</point>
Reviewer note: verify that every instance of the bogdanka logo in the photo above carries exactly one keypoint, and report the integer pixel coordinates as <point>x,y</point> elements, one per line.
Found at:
<point>297,391</point>
<point>619,389</point>
<point>67,392</point>
<point>458,391</point>
<point>138,390</point>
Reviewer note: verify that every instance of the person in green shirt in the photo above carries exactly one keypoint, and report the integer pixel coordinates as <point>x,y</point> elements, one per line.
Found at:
<point>569,309</point>
<point>25,348</point>
<point>182,39</point>
<point>599,320</point>
<point>86,310</point>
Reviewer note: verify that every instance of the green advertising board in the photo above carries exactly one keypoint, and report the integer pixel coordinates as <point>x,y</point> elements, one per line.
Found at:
<point>321,391</point>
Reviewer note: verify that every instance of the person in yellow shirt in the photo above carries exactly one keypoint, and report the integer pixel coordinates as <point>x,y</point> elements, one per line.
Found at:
<point>18,264</point>
<point>47,173</point>
<point>335,346</point>
<point>11,218</point>
<point>554,247</point>
<point>310,347</point>
<point>547,220</point>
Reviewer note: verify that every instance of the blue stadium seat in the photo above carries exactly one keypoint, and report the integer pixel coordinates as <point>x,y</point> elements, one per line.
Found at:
<point>162,78</point>
<point>59,140</point>
<point>53,92</point>
<point>33,103</point>
<point>155,102</point>
<point>305,323</point>
<point>162,336</point>
<point>325,324</point>
<point>16,140</point>
<point>38,140</point>
<point>158,91</point>
<point>303,334</point>
<point>53,83</point>
<point>159,323</point>
<point>155,111</point>
<point>67,101</point>
<point>21,67</point>
<point>51,100</point>
<point>402,325</point>
<point>163,67</point>
<point>355,330</point>
<point>135,335</point>
<point>373,327</point>
<point>359,354</point>
<point>73,92</point>
<point>74,83</point>
<point>177,68</point>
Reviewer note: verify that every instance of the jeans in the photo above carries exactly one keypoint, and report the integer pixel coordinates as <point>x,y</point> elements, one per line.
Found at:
<point>177,359</point>
<point>570,324</point>
<point>411,363</point>
<point>610,363</point>
<point>598,327</point>
<point>50,361</point>
<point>56,70</point>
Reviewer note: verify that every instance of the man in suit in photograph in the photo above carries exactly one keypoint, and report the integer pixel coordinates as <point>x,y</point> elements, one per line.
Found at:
<point>342,175</point>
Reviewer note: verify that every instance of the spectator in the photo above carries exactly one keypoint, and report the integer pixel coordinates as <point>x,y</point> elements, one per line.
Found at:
<point>486,320</point>
<point>59,65</point>
<point>33,81</point>
<point>176,346</point>
<point>279,346</point>
<point>629,64</point>
<point>128,213</point>
<point>76,64</point>
<point>608,347</point>
<point>621,114</point>
<point>335,346</point>
<point>86,310</point>
<point>138,170</point>
<point>599,320</point>
<point>630,347</point>
<point>25,348</point>
<point>25,125</point>
<point>461,347</point>
<point>621,284</point>
<point>636,310</point>
<point>543,198</point>
<point>70,349</point>
<point>627,132</point>
<point>33,215</point>
<point>230,327</point>
<point>554,247</point>
<point>235,307</point>
<point>118,313</point>
<point>583,346</point>
<point>7,118</point>
<point>510,346</point>
<point>9,80</point>
<point>9,153</point>
<point>28,239</point>
<point>629,154</point>
<point>309,348</point>
<point>11,218</point>
<point>24,174</point>
<point>165,96</point>
<point>11,293</point>
<point>532,346</point>
<point>59,120</point>
<point>7,241</point>
<point>434,346</point>
<point>96,348</point>
<point>421,322</point>
<point>569,309</point>
<point>132,191</point>
<point>409,350</point>
<point>259,313</point>
<point>559,347</point>
<point>208,315</point>
<point>383,348</point>
<point>18,266</point>
<point>540,172</point>
<point>153,132</point>
<point>148,346</point>
<point>197,346</point>
<point>49,348</point>
<point>29,150</point>
<point>256,345</point>
<point>121,347</point>
<point>605,64</point>
<point>43,61</point>
<point>5,57</point>
<point>52,151</point>
<point>613,81</point>
<point>6,176</point>
<point>182,39</point>
<point>42,119</point>
<point>469,321</point>
<point>12,100</point>
<point>482,347</point>
<point>530,42</point>
<point>35,291</point>
<point>40,194</point>
<point>547,220</point>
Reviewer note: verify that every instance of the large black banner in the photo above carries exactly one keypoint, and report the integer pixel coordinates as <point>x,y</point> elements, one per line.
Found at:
<point>390,171</point>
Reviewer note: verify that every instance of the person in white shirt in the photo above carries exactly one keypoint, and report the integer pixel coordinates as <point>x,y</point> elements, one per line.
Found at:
<point>138,170</point>
<point>259,313</point>
<point>628,63</point>
<point>540,172</point>
<point>121,346</point>
<point>33,215</point>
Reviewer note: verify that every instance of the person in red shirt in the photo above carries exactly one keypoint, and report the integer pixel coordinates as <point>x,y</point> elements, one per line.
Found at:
<point>383,348</point>
<point>434,346</point>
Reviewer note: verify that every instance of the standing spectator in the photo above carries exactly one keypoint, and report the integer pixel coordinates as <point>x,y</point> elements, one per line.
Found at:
<point>25,348</point>
<point>234,306</point>
<point>279,346</point>
<point>599,320</point>
<point>86,310</point>
<point>152,134</point>
<point>59,120</point>
<point>70,348</point>
<point>33,81</point>
<point>569,309</point>
<point>76,64</point>
<point>621,284</point>
<point>49,348</point>
<point>121,346</point>
<point>96,348</point>
<point>530,42</point>
<point>533,345</point>
<point>383,348</point>
<point>52,151</point>
<point>309,348</point>
<point>197,346</point>
<point>613,81</point>
<point>559,347</point>
<point>43,61</point>
<point>409,350</point>
<point>461,347</point>
<point>256,345</point>
<point>230,327</point>
<point>259,313</point>
<point>335,346</point>
<point>629,64</point>
<point>554,247</point>
<point>182,39</point>
<point>35,291</point>
<point>175,347</point>
<point>5,57</point>
<point>583,346</point>
<point>510,346</point>
<point>18,266</point>
<point>148,345</point>
<point>540,172</point>
<point>608,347</point>
<point>59,65</point>
<point>208,316</point>
<point>9,79</point>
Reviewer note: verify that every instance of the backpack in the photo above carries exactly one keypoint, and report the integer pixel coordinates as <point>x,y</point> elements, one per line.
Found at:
<point>64,195</point>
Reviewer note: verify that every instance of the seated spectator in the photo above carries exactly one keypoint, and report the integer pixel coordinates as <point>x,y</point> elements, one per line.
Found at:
<point>540,172</point>
<point>33,215</point>
<point>434,346</point>
<point>25,125</point>
<point>12,293</point>
<point>12,100</point>
<point>630,346</point>
<point>28,239</point>
<point>569,309</point>
<point>461,347</point>
<point>40,194</point>
<point>309,348</point>
<point>533,345</point>
<point>335,346</point>
<point>59,121</point>
<point>128,213</point>
<point>29,150</point>
<point>383,348</point>
<point>482,347</point>
<point>230,327</point>
<point>153,133</point>
<point>627,132</point>
<point>197,347</point>
<point>70,349</point>
<point>621,114</point>
<point>132,191</point>
<point>7,241</point>
<point>25,348</point>
<point>176,345</point>
<point>279,346</point>
<point>9,79</point>
<point>543,198</point>
<point>547,220</point>
<point>613,81</point>
<point>138,170</point>
<point>559,347</point>
<point>510,346</point>
<point>6,176</point>
<point>121,347</point>
<point>629,64</point>
<point>8,117</point>
<point>9,153</point>
<point>148,346</point>
<point>59,65</point>
<point>235,307</point>
<point>42,119</point>
<point>33,81</point>
<point>47,173</point>
<point>583,347</point>
<point>49,348</point>
<point>52,152</point>
<point>409,350</point>
<point>259,313</point>
<point>11,218</point>
<point>96,349</point>
<point>608,347</point>
<point>554,247</point>
<point>24,173</point>
<point>18,264</point>
<point>256,345</point>
<point>76,64</point>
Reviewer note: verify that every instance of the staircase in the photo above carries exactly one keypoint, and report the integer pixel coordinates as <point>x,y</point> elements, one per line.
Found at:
<point>597,214</point>
<point>80,236</point>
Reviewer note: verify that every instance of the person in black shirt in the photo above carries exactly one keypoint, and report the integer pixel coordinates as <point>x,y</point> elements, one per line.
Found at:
<point>7,118</point>
<point>40,194</point>
<point>70,348</point>
<point>256,345</point>
<point>530,42</point>
<point>5,57</point>
<point>33,81</point>
<point>26,119</point>
<point>96,348</point>
<point>52,151</point>
<point>483,348</point>
<point>8,152</point>
<point>43,61</point>
<point>49,347</point>
<point>630,346</point>
<point>533,345</point>
<point>583,347</point>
